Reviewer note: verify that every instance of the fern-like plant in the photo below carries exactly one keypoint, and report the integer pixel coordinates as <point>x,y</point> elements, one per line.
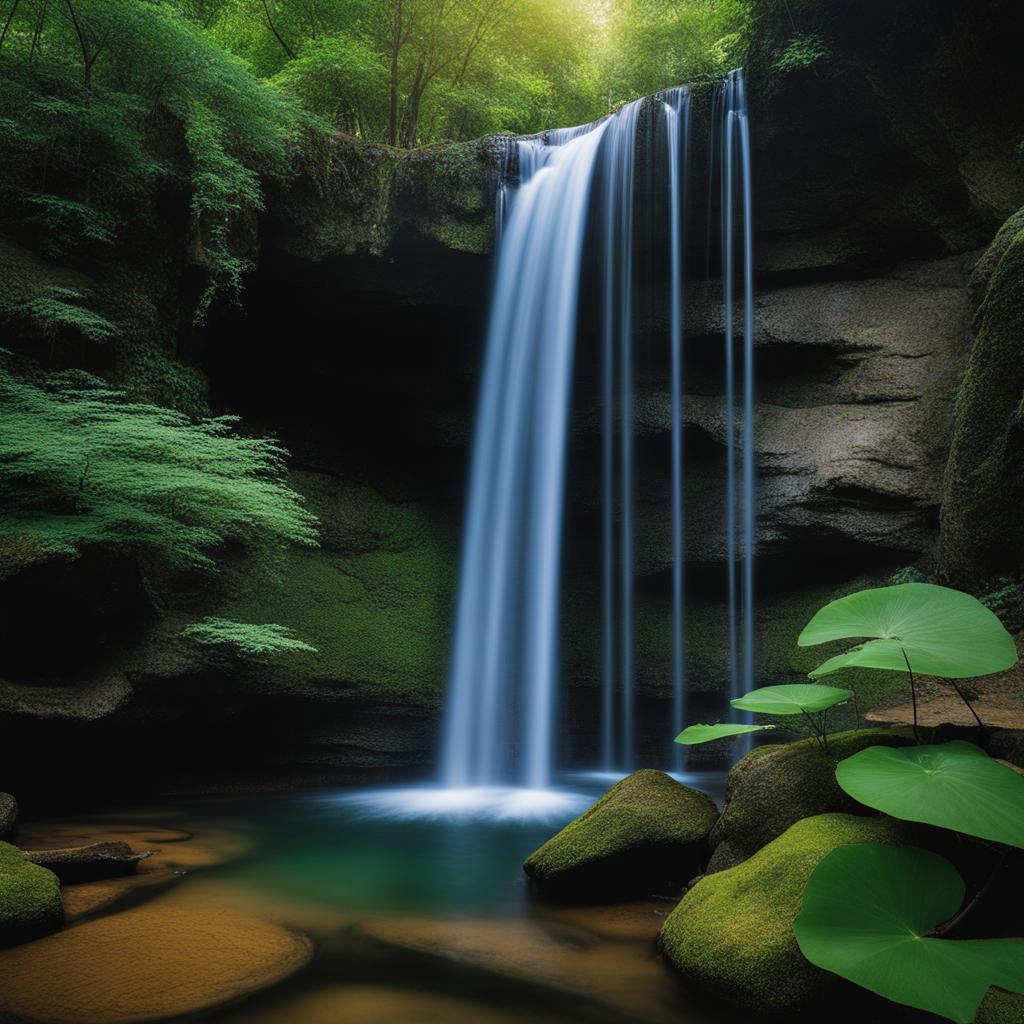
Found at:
<point>81,465</point>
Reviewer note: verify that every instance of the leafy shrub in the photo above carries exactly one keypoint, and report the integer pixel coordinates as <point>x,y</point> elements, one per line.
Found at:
<point>80,465</point>
<point>245,638</point>
<point>58,309</point>
<point>1007,601</point>
<point>802,51</point>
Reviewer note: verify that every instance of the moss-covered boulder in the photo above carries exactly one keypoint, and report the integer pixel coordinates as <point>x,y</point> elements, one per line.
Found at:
<point>778,784</point>
<point>647,834</point>
<point>30,902</point>
<point>8,815</point>
<point>732,933</point>
<point>982,528</point>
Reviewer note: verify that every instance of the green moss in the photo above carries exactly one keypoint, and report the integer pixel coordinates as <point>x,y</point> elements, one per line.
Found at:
<point>29,898</point>
<point>982,528</point>
<point>778,784</point>
<point>375,602</point>
<point>999,1007</point>
<point>732,933</point>
<point>646,833</point>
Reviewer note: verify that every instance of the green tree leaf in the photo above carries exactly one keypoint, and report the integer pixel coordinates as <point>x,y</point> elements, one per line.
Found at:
<point>694,734</point>
<point>943,632</point>
<point>867,913</point>
<point>794,699</point>
<point>955,785</point>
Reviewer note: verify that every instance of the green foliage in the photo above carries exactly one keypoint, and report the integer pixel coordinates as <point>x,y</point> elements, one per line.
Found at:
<point>245,638</point>
<point>936,630</point>
<point>96,95</point>
<point>58,309</point>
<point>908,574</point>
<point>694,734</point>
<point>955,785</point>
<point>80,465</point>
<point>870,913</point>
<point>1007,601</point>
<point>803,51</point>
<point>656,44</point>
<point>795,699</point>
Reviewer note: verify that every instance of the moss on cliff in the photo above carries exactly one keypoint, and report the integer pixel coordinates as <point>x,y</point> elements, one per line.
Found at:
<point>982,526</point>
<point>375,602</point>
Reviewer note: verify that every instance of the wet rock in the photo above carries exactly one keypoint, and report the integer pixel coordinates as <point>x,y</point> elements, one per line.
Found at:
<point>776,785</point>
<point>982,531</point>
<point>732,933</point>
<point>167,958</point>
<point>8,816</point>
<point>29,898</point>
<point>647,834</point>
<point>89,863</point>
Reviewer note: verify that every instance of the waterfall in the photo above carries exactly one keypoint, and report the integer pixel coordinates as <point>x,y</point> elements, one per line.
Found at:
<point>618,172</point>
<point>731,127</point>
<point>502,688</point>
<point>676,109</point>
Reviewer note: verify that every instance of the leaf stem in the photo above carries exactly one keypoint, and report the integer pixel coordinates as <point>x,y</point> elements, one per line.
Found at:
<point>970,707</point>
<point>913,694</point>
<point>818,735</point>
<point>945,929</point>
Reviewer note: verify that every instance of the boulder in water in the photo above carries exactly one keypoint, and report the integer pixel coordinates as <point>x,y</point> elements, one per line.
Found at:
<point>89,863</point>
<point>30,902</point>
<point>732,933</point>
<point>647,834</point>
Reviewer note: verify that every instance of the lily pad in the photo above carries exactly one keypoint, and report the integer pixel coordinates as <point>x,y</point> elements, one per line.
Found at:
<point>954,785</point>
<point>793,699</point>
<point>867,915</point>
<point>943,632</point>
<point>694,734</point>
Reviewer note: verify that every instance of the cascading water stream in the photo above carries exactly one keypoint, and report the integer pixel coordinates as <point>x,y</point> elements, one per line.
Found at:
<point>733,133</point>
<point>503,678</point>
<point>503,693</point>
<point>676,111</point>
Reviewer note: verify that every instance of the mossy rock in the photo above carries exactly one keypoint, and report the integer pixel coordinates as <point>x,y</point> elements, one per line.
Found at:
<point>732,933</point>
<point>999,1007</point>
<point>982,528</point>
<point>30,903</point>
<point>8,815</point>
<point>647,834</point>
<point>778,784</point>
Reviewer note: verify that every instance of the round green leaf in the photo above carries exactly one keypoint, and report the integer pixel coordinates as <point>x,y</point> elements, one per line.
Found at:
<point>867,913</point>
<point>954,785</point>
<point>791,699</point>
<point>943,632</point>
<point>694,734</point>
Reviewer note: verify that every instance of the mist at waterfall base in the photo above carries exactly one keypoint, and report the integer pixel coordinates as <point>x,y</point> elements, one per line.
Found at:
<point>572,227</point>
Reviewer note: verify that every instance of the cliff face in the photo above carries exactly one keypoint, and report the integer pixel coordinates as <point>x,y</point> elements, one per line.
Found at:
<point>881,174</point>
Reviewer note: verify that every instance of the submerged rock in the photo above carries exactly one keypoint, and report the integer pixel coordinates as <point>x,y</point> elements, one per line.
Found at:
<point>647,834</point>
<point>778,784</point>
<point>29,898</point>
<point>732,933</point>
<point>165,959</point>
<point>89,863</point>
<point>8,815</point>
